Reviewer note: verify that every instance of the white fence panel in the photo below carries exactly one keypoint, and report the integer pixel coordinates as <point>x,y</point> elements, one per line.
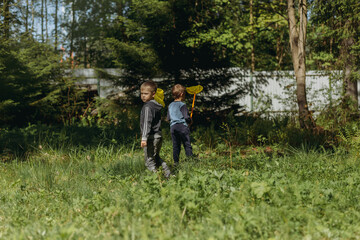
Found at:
<point>278,94</point>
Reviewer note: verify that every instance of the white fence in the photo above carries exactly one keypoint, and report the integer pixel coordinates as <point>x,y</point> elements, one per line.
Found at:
<point>275,90</point>
<point>279,92</point>
<point>90,78</point>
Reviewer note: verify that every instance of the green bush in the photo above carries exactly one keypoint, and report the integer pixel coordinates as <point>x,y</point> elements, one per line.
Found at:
<point>29,72</point>
<point>259,131</point>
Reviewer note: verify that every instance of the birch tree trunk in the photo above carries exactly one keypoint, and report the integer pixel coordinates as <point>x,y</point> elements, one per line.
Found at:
<point>297,38</point>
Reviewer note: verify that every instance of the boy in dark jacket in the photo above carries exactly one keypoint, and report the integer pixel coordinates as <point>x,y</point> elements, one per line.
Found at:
<point>150,126</point>
<point>179,118</point>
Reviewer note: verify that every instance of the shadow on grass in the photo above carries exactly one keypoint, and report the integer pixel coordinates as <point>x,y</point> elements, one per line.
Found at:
<point>127,167</point>
<point>237,131</point>
<point>20,142</point>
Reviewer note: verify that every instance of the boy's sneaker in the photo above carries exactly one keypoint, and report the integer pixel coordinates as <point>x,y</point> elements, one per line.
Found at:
<point>168,176</point>
<point>166,170</point>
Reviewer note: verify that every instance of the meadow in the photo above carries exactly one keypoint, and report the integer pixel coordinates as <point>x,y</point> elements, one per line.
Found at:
<point>64,187</point>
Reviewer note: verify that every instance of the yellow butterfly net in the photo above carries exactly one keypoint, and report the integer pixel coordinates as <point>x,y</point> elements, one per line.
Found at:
<point>159,96</point>
<point>194,90</point>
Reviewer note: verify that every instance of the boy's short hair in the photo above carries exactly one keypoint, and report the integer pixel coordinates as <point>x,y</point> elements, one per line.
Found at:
<point>152,86</point>
<point>177,90</point>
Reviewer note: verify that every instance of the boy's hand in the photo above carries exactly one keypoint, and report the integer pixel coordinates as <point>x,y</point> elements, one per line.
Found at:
<point>143,144</point>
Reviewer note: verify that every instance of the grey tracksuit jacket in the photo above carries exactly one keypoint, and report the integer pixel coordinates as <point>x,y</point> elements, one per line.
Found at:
<point>150,120</point>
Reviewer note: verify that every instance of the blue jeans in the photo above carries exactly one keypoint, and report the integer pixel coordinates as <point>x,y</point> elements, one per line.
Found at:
<point>180,134</point>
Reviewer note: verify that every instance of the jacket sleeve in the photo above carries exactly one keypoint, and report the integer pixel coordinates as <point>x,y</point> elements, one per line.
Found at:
<point>185,113</point>
<point>146,124</point>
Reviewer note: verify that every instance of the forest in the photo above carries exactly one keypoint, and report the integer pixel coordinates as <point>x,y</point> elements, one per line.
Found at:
<point>71,163</point>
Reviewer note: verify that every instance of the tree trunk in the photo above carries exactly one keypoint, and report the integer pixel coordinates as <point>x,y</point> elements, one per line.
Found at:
<point>72,33</point>
<point>85,52</point>
<point>46,22</point>
<point>350,83</point>
<point>56,23</point>
<point>120,12</point>
<point>42,21</point>
<point>252,38</point>
<point>27,17</point>
<point>252,64</point>
<point>297,38</point>
<point>6,17</point>
<point>32,16</point>
<point>279,48</point>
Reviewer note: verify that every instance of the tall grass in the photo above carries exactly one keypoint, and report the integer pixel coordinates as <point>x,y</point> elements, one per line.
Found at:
<point>104,191</point>
<point>91,183</point>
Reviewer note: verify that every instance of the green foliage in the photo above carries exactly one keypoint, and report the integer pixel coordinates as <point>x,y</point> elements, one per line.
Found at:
<point>348,138</point>
<point>152,43</point>
<point>188,42</point>
<point>34,86</point>
<point>88,30</point>
<point>260,131</point>
<point>111,112</point>
<point>138,59</point>
<point>66,103</point>
<point>337,116</point>
<point>225,26</point>
<point>336,40</point>
<point>324,56</point>
<point>29,71</point>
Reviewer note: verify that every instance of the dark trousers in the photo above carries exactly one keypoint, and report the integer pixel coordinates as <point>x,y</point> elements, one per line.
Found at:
<point>152,158</point>
<point>180,134</point>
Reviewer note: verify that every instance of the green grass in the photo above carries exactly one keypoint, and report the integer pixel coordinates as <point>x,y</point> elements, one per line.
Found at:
<point>105,192</point>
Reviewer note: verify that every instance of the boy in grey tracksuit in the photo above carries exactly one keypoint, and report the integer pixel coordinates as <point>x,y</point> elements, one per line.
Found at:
<point>150,126</point>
